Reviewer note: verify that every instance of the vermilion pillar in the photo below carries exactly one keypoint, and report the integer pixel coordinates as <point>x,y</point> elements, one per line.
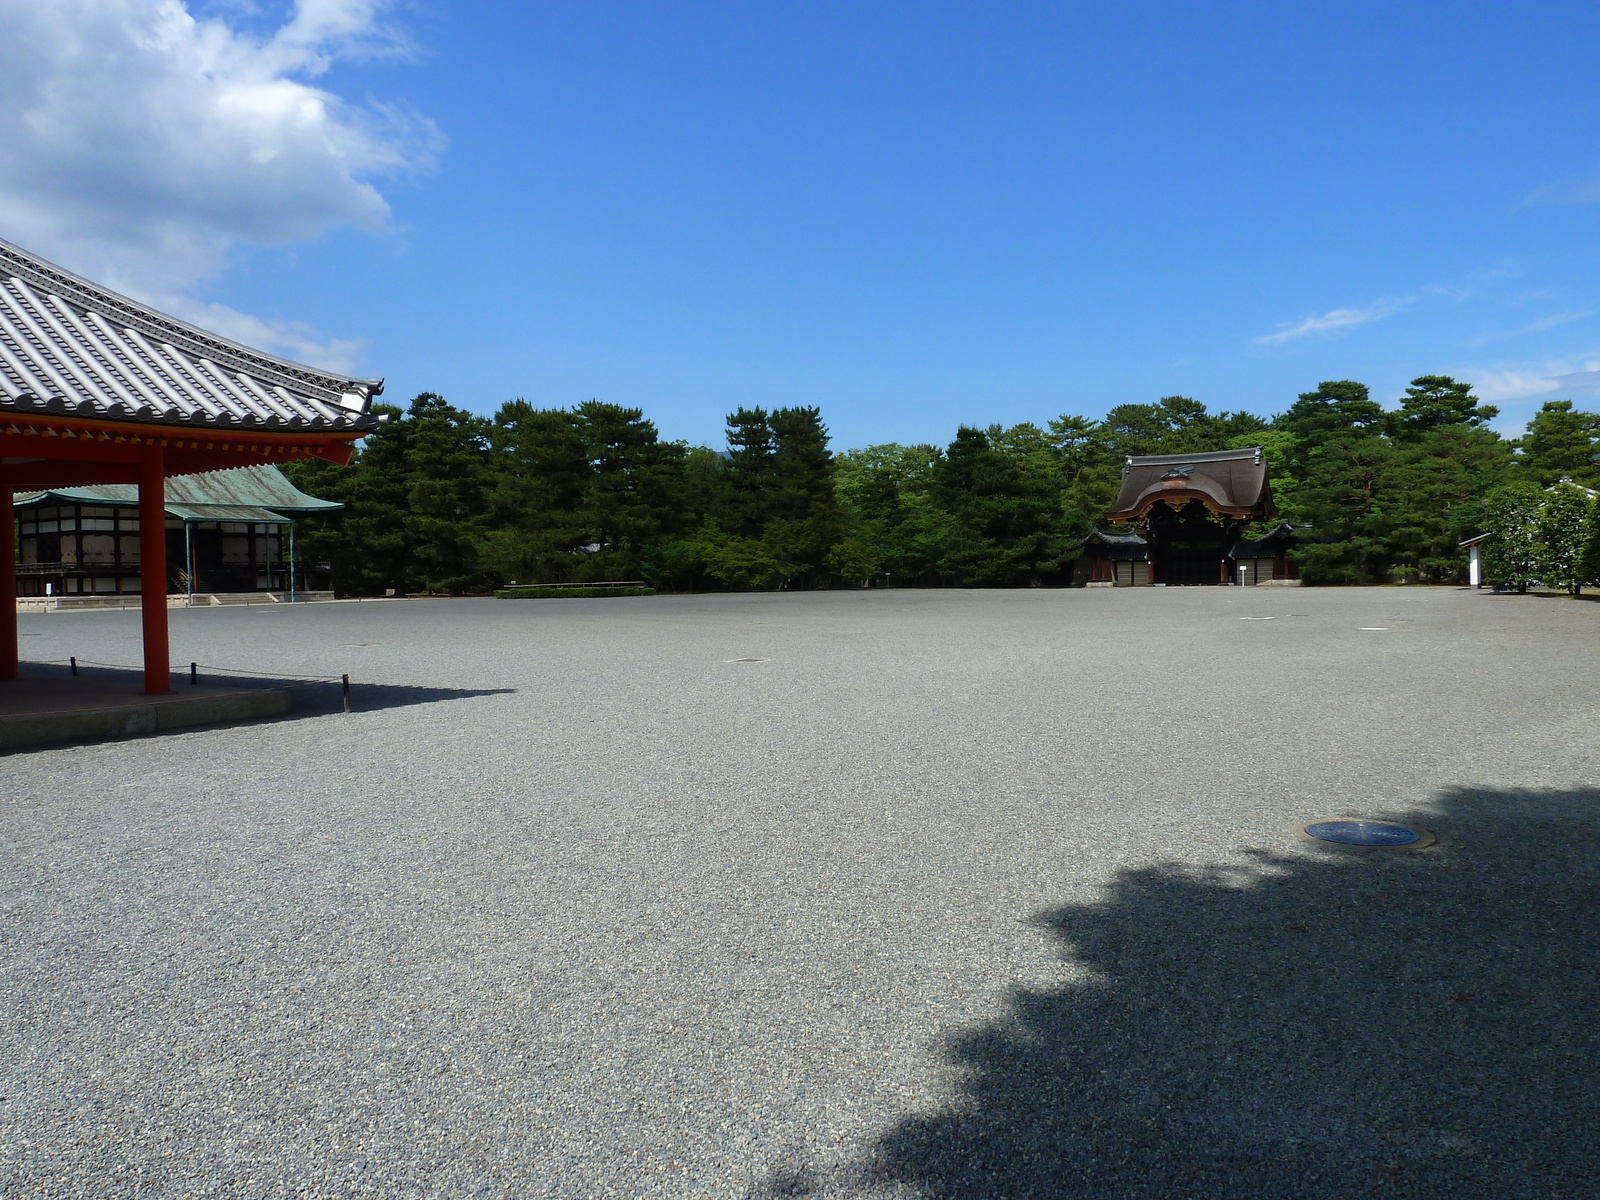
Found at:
<point>153,572</point>
<point>8,581</point>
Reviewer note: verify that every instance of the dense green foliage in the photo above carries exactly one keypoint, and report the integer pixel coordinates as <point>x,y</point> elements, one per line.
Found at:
<point>442,500</point>
<point>1560,538</point>
<point>1591,547</point>
<point>1511,516</point>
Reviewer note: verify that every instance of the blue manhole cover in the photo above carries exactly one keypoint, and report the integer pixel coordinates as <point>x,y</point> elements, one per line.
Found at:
<point>1367,833</point>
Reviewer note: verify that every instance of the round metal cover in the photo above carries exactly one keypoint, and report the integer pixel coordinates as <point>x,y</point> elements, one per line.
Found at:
<point>1349,831</point>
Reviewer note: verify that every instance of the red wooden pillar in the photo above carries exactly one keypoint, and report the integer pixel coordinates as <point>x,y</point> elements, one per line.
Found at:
<point>8,580</point>
<point>153,572</point>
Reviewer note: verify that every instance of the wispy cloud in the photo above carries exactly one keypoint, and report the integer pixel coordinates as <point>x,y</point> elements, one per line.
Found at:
<point>1554,320</point>
<point>1476,283</point>
<point>1335,320</point>
<point>1518,388</point>
<point>1566,191</point>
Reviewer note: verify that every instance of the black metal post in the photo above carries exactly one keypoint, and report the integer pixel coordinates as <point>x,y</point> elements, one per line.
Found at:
<point>346,685</point>
<point>194,674</point>
<point>74,661</point>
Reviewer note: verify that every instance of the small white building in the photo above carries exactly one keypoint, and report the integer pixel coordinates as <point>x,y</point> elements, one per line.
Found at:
<point>1474,548</point>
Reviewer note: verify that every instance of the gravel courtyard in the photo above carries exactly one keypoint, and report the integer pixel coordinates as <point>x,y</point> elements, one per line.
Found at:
<point>946,894</point>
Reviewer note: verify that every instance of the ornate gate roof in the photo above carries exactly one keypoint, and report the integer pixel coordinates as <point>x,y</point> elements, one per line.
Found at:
<point>1230,483</point>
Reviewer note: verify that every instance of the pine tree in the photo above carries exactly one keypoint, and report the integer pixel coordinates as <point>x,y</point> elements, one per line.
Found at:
<point>1004,520</point>
<point>1562,443</point>
<point>540,471</point>
<point>446,458</point>
<point>1435,493</point>
<point>1172,425</point>
<point>1435,401</point>
<point>804,521</point>
<point>1388,495</point>
<point>366,541</point>
<point>1090,473</point>
<point>633,493</point>
<point>1347,496</point>
<point>414,503</point>
<point>1337,408</point>
<point>747,473</point>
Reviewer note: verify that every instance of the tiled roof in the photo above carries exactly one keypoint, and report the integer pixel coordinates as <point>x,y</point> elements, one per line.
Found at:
<point>71,347</point>
<point>1106,537</point>
<point>1119,547</point>
<point>1280,538</point>
<point>250,487</point>
<point>1227,481</point>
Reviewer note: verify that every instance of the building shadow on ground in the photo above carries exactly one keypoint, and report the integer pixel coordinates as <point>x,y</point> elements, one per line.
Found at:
<point>1326,1023</point>
<point>318,699</point>
<point>308,697</point>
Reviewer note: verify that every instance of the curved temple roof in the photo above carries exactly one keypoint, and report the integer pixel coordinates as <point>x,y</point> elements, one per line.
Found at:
<point>255,487</point>
<point>1228,482</point>
<point>73,348</point>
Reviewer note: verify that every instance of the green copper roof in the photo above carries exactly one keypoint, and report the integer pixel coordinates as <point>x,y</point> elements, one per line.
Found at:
<point>240,487</point>
<point>227,512</point>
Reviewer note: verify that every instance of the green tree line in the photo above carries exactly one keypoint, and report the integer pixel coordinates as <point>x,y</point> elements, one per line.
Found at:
<point>442,500</point>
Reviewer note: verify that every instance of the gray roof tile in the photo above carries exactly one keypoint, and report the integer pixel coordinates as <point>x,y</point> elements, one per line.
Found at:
<point>71,347</point>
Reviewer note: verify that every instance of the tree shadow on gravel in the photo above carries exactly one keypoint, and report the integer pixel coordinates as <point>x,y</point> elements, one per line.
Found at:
<point>1332,1023</point>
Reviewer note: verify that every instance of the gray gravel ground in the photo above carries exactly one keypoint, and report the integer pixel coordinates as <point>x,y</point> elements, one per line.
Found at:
<point>953,894</point>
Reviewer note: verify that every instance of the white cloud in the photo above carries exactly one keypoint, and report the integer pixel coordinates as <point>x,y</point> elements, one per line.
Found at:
<point>291,339</point>
<point>141,146</point>
<point>1524,381</point>
<point>1518,389</point>
<point>1333,321</point>
<point>1497,384</point>
<point>1555,319</point>
<point>1587,380</point>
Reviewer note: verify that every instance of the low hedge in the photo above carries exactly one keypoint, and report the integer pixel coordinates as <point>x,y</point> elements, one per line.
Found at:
<point>548,593</point>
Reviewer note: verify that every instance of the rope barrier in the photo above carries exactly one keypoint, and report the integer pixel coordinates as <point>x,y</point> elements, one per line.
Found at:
<point>211,667</point>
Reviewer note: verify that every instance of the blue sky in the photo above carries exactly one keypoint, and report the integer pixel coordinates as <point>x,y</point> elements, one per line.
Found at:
<point>912,215</point>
